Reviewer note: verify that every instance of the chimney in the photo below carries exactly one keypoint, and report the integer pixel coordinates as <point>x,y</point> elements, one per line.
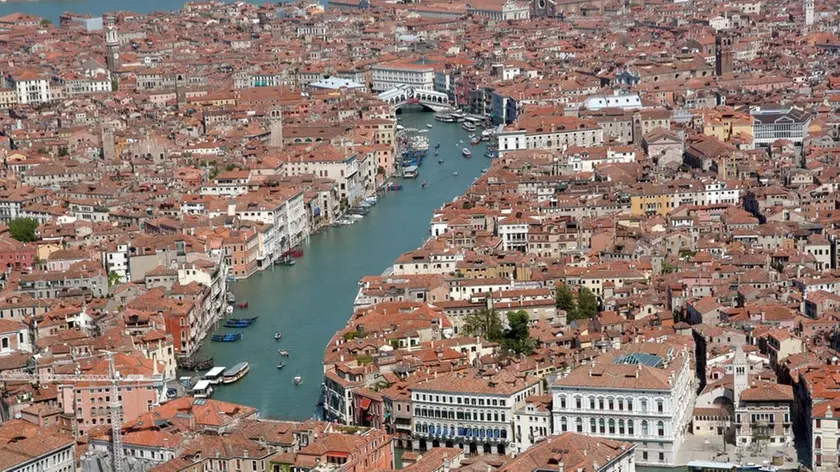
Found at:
<point>560,467</point>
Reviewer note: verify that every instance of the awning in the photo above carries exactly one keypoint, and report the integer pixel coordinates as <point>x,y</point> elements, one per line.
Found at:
<point>365,404</point>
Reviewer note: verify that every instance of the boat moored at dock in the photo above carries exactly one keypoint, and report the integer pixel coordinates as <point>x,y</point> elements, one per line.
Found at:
<point>235,373</point>
<point>202,389</point>
<point>226,338</point>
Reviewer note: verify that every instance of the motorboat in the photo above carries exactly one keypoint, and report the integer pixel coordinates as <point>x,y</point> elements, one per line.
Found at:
<point>281,365</point>
<point>283,352</point>
<point>468,126</point>
<point>297,380</point>
<point>440,161</point>
<point>243,305</point>
<point>466,152</point>
<point>455,174</point>
<point>474,141</point>
<point>428,125</point>
<point>425,184</point>
<point>437,145</point>
<point>277,335</point>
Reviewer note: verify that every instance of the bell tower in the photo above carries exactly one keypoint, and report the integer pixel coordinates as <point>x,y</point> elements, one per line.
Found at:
<point>112,43</point>
<point>275,126</point>
<point>809,13</point>
<point>723,54</point>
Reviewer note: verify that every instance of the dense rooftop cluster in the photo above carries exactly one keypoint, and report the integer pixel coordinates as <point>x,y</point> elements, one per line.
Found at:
<point>650,260</point>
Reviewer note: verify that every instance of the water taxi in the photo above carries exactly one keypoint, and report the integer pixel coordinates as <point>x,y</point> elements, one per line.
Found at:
<point>466,152</point>
<point>277,335</point>
<point>428,125</point>
<point>297,380</point>
<point>214,375</point>
<point>468,125</point>
<point>235,373</point>
<point>281,365</point>
<point>283,352</point>
<point>475,141</point>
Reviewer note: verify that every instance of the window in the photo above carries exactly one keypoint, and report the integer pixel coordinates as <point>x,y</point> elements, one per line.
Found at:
<point>601,426</point>
<point>630,427</point>
<point>660,427</point>
<point>644,428</point>
<point>579,425</point>
<point>660,406</point>
<point>661,457</point>
<point>563,402</point>
<point>563,425</point>
<point>578,403</point>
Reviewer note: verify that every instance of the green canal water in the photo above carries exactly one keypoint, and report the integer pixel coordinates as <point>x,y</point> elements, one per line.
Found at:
<point>313,299</point>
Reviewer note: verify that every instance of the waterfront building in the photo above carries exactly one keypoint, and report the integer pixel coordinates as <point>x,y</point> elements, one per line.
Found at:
<point>762,411</point>
<point>642,393</point>
<point>469,409</point>
<point>550,132</point>
<point>532,423</point>
<point>510,10</point>
<point>414,73</point>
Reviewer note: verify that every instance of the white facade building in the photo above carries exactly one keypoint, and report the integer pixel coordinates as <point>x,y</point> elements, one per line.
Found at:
<point>642,394</point>
<point>32,89</point>
<point>469,411</point>
<point>625,101</point>
<point>418,74</point>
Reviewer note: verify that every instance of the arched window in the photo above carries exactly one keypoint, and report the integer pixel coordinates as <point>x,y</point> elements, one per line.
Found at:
<point>601,403</point>
<point>592,428</point>
<point>629,404</point>
<point>563,401</point>
<point>579,425</point>
<point>591,403</point>
<point>612,426</point>
<point>630,427</point>
<point>644,405</point>
<point>660,406</point>
<point>621,427</point>
<point>644,428</point>
<point>578,403</point>
<point>818,443</point>
<point>601,426</point>
<point>660,429</point>
<point>610,404</point>
<point>563,425</point>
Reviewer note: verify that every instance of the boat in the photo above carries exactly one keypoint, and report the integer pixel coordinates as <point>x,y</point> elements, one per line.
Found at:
<point>283,353</point>
<point>436,153</point>
<point>410,172</point>
<point>231,298</point>
<point>243,305</point>
<point>491,154</point>
<point>446,118</point>
<point>400,127</point>
<point>195,364</point>
<point>466,152</point>
<point>240,322</point>
<point>437,146</point>
<point>474,141</point>
<point>226,338</point>
<point>457,116</point>
<point>229,309</point>
<point>455,174</point>
<point>277,335</point>
<point>288,262</point>
<point>297,380</point>
<point>425,184</point>
<point>395,187</point>
<point>440,161</point>
<point>235,373</point>
<point>468,126</point>
<point>428,125</point>
<point>281,365</point>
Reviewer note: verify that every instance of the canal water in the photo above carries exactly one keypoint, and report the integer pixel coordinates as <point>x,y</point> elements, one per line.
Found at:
<point>313,299</point>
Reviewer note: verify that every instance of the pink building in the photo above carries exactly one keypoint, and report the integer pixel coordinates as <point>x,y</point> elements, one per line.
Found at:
<point>88,402</point>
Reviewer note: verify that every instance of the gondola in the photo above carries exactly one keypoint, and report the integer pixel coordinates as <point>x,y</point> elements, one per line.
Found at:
<point>226,338</point>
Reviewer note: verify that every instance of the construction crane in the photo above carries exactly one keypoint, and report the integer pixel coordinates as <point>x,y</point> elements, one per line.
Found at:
<point>113,378</point>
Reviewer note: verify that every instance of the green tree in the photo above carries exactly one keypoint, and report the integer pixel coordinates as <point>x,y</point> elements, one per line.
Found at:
<point>113,278</point>
<point>565,299</point>
<point>517,337</point>
<point>23,229</point>
<point>45,22</point>
<point>485,323</point>
<point>587,303</point>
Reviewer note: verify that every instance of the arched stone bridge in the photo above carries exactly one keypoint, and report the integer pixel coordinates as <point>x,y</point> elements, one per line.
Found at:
<point>400,96</point>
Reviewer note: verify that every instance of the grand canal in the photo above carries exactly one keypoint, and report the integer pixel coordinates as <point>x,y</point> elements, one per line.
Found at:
<point>310,301</point>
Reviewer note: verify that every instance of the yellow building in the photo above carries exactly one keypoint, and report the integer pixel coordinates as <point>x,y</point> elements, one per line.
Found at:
<point>723,124</point>
<point>651,203</point>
